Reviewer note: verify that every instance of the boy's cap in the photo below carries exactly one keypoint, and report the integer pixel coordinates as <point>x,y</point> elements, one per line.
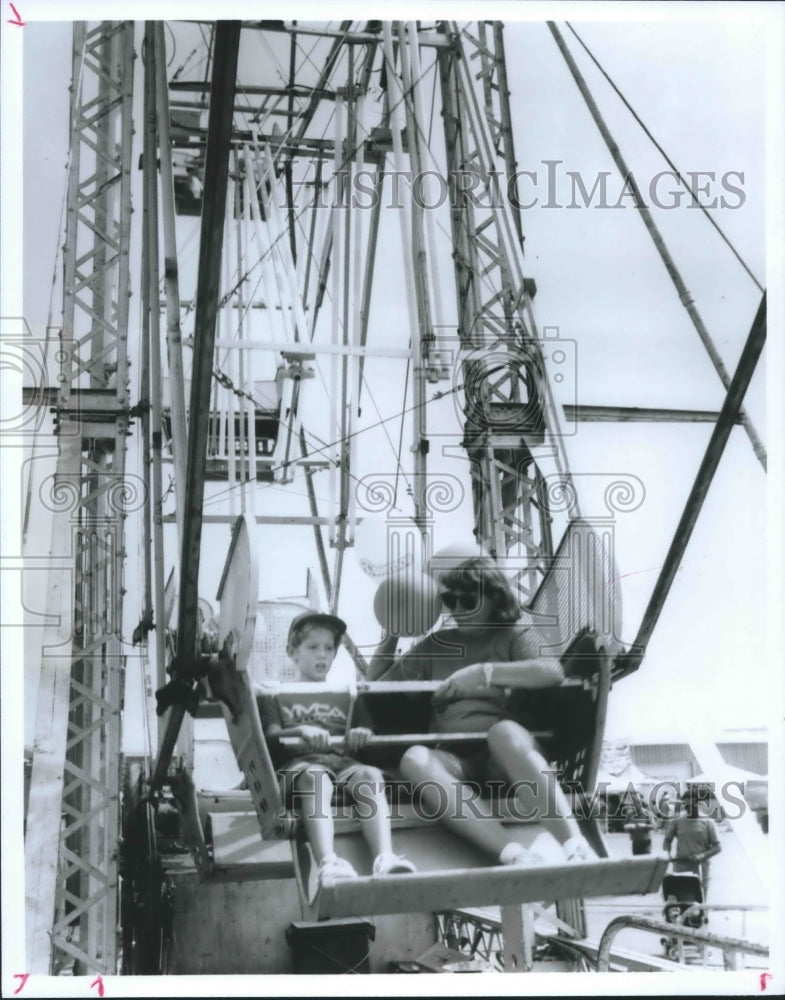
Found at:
<point>337,625</point>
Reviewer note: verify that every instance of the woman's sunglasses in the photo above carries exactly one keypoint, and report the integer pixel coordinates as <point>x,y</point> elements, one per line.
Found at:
<point>468,600</point>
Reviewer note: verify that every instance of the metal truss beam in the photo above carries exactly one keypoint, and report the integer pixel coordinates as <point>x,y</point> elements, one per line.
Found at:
<point>73,818</point>
<point>513,429</point>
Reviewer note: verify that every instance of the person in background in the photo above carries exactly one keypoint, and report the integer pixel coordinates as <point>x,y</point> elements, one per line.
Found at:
<point>665,810</point>
<point>696,841</point>
<point>639,828</point>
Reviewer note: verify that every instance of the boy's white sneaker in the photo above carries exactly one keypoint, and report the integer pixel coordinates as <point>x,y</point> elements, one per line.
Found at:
<point>516,854</point>
<point>392,864</point>
<point>577,849</point>
<point>333,868</point>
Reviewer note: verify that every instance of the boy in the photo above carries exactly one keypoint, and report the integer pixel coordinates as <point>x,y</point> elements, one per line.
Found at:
<point>310,778</point>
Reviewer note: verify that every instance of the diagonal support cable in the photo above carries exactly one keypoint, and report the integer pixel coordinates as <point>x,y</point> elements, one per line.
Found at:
<point>659,242</point>
<point>631,660</point>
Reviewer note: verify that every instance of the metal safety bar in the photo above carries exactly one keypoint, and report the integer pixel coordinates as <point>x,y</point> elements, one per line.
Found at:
<point>731,947</point>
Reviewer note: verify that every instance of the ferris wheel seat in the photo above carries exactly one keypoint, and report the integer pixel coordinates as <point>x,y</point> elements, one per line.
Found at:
<point>451,872</point>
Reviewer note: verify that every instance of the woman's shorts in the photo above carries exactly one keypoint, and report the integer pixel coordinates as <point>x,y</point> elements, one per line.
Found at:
<point>478,766</point>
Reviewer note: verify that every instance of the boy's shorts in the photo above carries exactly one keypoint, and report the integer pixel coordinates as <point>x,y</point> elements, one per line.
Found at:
<point>339,767</point>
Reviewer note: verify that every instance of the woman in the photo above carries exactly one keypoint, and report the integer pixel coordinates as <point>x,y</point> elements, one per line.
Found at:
<point>486,652</point>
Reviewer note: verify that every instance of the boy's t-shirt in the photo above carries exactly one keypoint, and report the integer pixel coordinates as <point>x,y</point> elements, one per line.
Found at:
<point>329,710</point>
<point>437,656</point>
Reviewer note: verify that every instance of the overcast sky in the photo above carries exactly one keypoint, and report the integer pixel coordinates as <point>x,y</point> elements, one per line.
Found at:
<point>697,78</point>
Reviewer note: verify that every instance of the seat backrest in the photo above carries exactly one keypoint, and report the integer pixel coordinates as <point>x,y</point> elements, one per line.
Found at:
<point>215,765</point>
<point>269,660</point>
<point>578,592</point>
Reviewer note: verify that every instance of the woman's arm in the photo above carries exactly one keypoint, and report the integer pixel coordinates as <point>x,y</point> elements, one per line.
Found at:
<point>383,658</point>
<point>535,673</point>
<point>413,665</point>
<point>539,672</point>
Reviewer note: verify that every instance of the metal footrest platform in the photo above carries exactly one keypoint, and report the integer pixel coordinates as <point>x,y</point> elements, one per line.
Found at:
<point>503,885</point>
<point>452,888</point>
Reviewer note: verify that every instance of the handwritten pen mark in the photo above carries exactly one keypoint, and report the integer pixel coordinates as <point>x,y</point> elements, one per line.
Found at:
<point>24,976</point>
<point>639,571</point>
<point>20,24</point>
<point>100,984</point>
<point>764,981</point>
